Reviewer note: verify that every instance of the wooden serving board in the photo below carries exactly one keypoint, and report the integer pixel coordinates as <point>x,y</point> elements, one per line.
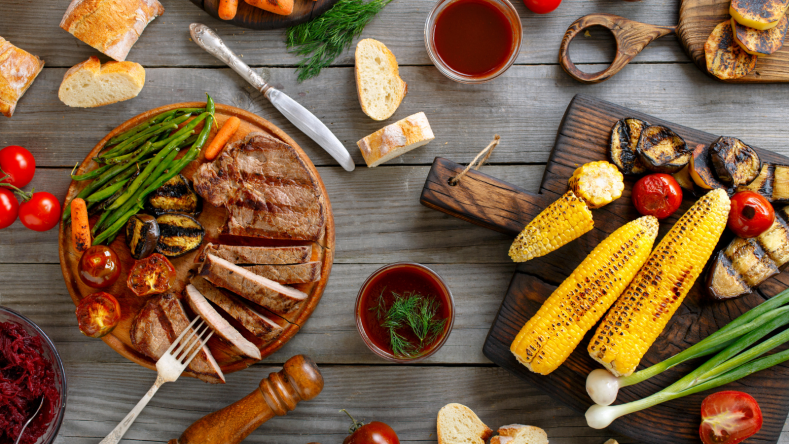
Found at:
<point>583,137</point>
<point>212,218</point>
<point>255,18</point>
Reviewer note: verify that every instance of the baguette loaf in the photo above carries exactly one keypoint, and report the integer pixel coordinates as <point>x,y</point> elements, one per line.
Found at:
<point>520,434</point>
<point>110,26</point>
<point>90,84</point>
<point>396,139</point>
<point>457,424</point>
<point>18,69</point>
<point>378,83</point>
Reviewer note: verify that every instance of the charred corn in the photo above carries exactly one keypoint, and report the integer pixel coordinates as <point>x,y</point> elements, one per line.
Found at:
<point>561,222</point>
<point>580,301</point>
<point>597,183</point>
<point>642,312</point>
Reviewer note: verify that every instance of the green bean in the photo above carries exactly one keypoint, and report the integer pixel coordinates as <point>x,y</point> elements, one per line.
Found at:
<point>91,175</point>
<point>187,128</point>
<point>127,145</point>
<point>168,115</point>
<point>116,226</point>
<point>123,158</point>
<point>106,192</point>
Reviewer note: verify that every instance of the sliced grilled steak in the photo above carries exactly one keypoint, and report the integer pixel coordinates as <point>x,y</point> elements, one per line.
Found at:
<point>259,325</point>
<point>203,308</point>
<point>265,187</point>
<point>258,255</point>
<point>158,324</point>
<point>289,274</point>
<point>276,297</point>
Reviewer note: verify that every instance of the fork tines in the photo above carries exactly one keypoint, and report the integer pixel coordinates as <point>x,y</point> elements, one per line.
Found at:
<point>190,344</point>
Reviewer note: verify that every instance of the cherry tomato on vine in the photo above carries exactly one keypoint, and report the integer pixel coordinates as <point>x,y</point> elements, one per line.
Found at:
<point>729,417</point>
<point>658,195</point>
<point>542,6</point>
<point>9,207</point>
<point>41,212</point>
<point>18,164</point>
<point>375,432</point>
<point>99,266</point>
<point>750,215</point>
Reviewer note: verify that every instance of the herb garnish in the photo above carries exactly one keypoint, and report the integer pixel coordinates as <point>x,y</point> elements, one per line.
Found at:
<point>321,40</point>
<point>414,311</point>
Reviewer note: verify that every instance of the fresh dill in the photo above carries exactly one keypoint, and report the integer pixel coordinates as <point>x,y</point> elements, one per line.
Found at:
<point>413,311</point>
<point>321,40</point>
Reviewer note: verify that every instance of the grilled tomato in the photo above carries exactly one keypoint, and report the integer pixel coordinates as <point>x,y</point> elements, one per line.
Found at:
<point>729,417</point>
<point>151,275</point>
<point>750,215</point>
<point>98,314</point>
<point>657,195</point>
<point>375,432</point>
<point>99,266</point>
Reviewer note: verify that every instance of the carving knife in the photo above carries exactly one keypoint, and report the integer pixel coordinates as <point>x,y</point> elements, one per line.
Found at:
<point>304,120</point>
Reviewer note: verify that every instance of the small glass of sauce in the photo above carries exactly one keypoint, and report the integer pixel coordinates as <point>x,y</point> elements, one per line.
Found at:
<point>377,296</point>
<point>473,41</point>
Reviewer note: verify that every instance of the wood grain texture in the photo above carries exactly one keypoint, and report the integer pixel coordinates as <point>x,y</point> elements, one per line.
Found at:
<point>251,17</point>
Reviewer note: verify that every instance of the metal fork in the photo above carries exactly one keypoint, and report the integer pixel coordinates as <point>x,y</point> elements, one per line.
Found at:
<point>170,366</point>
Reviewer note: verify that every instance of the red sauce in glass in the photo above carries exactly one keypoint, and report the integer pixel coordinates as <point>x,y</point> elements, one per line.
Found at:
<point>401,280</point>
<point>473,37</point>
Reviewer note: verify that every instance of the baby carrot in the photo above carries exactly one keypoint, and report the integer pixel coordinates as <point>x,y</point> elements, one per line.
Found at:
<point>281,7</point>
<point>80,227</point>
<point>220,140</point>
<point>227,9</point>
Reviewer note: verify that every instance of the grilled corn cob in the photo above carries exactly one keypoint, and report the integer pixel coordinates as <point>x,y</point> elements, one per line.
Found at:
<point>646,306</point>
<point>581,300</point>
<point>597,183</point>
<point>560,223</point>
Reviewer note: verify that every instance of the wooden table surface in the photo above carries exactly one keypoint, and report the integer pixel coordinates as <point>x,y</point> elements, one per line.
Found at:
<point>377,212</point>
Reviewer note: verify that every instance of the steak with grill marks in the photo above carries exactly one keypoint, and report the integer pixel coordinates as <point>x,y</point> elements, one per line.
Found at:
<point>266,188</point>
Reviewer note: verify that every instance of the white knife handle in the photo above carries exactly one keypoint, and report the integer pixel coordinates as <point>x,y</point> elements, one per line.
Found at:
<point>311,126</point>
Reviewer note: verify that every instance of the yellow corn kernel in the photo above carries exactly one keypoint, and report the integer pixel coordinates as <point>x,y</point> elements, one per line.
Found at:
<point>642,312</point>
<point>597,183</point>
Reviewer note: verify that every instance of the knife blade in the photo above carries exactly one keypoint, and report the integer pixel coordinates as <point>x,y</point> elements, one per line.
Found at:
<point>304,120</point>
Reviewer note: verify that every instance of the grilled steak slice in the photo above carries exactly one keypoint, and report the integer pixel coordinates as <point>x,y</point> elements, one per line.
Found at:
<point>258,255</point>
<point>276,297</point>
<point>289,274</point>
<point>265,187</point>
<point>158,324</point>
<point>259,325</point>
<point>202,307</point>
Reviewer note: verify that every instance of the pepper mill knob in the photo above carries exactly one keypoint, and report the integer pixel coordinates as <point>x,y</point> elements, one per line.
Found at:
<point>299,380</point>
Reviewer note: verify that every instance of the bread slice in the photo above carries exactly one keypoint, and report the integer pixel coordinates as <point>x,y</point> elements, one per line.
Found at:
<point>378,81</point>
<point>396,139</point>
<point>457,424</point>
<point>91,84</point>
<point>520,434</point>
<point>18,69</point>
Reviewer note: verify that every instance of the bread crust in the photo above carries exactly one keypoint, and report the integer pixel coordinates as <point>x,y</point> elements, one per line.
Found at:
<point>18,69</point>
<point>394,70</point>
<point>93,64</point>
<point>399,137</point>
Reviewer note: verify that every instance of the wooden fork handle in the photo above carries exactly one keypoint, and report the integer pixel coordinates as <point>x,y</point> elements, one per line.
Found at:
<point>631,37</point>
<point>299,380</point>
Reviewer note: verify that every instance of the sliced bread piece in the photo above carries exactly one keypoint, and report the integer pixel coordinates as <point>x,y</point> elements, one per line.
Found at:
<point>378,81</point>
<point>520,434</point>
<point>396,139</point>
<point>457,424</point>
<point>18,69</point>
<point>91,84</point>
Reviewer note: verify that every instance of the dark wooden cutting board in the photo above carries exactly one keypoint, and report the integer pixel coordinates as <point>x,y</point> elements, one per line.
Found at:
<point>255,18</point>
<point>583,137</point>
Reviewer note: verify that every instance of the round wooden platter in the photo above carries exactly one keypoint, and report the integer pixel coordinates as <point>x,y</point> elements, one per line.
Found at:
<point>212,218</point>
<point>251,17</point>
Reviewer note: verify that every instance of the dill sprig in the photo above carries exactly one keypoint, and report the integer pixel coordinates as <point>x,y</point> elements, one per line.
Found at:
<point>414,311</point>
<point>321,40</point>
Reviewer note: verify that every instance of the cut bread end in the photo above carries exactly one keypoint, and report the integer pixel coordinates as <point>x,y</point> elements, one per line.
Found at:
<point>91,84</point>
<point>396,139</point>
<point>520,434</point>
<point>378,83</point>
<point>458,424</point>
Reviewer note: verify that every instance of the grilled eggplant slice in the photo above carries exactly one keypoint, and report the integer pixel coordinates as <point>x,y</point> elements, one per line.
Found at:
<point>662,150</point>
<point>701,169</point>
<point>180,234</point>
<point>781,183</point>
<point>725,59</point>
<point>624,139</point>
<point>760,43</point>
<point>142,235</point>
<point>763,184</point>
<point>723,282</point>
<point>174,196</point>
<point>758,14</point>
<point>734,162</point>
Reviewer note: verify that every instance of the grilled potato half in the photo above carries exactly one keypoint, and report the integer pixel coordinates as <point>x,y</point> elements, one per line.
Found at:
<point>760,43</point>
<point>758,14</point>
<point>622,149</point>
<point>662,150</point>
<point>725,59</point>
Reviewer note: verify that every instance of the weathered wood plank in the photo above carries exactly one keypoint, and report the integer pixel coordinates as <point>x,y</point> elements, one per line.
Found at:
<point>400,26</point>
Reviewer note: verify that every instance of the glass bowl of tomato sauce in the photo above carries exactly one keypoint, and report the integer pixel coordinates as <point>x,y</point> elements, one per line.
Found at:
<point>473,41</point>
<point>40,375</point>
<point>404,312</point>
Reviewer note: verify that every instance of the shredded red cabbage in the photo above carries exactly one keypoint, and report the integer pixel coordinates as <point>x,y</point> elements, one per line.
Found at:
<point>25,376</point>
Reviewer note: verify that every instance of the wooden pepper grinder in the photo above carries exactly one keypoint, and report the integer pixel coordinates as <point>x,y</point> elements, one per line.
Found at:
<point>299,380</point>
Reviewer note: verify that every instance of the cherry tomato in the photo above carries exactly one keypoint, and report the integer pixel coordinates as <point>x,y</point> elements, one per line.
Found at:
<point>9,207</point>
<point>98,314</point>
<point>542,6</point>
<point>750,214</point>
<point>99,266</point>
<point>729,417</point>
<point>18,164</point>
<point>41,212</point>
<point>658,195</point>
<point>151,275</point>
<point>375,432</point>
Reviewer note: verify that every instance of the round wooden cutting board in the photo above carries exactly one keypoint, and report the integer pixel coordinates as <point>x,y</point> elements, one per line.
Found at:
<point>255,18</point>
<point>212,218</point>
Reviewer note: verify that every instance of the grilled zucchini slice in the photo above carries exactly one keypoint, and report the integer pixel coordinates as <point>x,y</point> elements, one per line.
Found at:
<point>763,184</point>
<point>758,14</point>
<point>734,162</point>
<point>781,183</point>
<point>701,170</point>
<point>180,234</point>
<point>142,235</point>
<point>723,282</point>
<point>725,59</point>
<point>174,196</point>
<point>760,43</point>
<point>624,139</point>
<point>662,150</point>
